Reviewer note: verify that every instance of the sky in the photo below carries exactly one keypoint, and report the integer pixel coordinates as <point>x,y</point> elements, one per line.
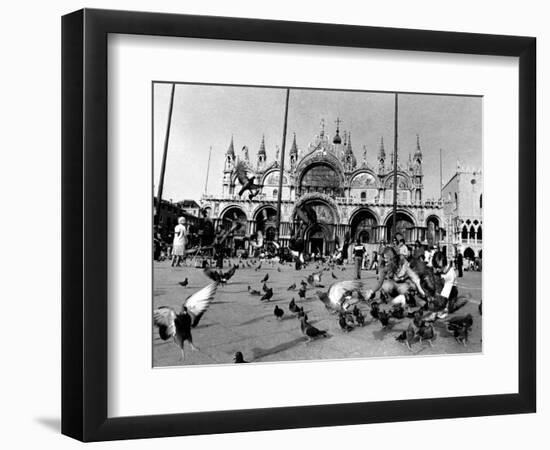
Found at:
<point>207,116</point>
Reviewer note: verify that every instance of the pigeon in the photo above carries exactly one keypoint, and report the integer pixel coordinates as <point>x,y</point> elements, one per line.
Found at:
<point>178,325</point>
<point>384,318</point>
<point>239,358</point>
<point>264,279</point>
<point>278,269</point>
<point>344,324</point>
<point>184,283</point>
<point>278,312</point>
<point>398,312</point>
<point>302,293</point>
<point>374,310</point>
<point>303,284</point>
<point>309,330</point>
<point>407,336</point>
<point>268,294</point>
<point>426,332</point>
<point>333,276</point>
<point>253,291</point>
<point>335,298</point>
<point>306,214</point>
<point>359,317</point>
<point>291,287</point>
<point>247,184</point>
<point>264,287</point>
<point>314,279</point>
<point>219,276</point>
<point>292,307</point>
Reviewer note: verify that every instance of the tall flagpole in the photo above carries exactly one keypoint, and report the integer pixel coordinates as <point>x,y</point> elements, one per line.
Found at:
<point>207,171</point>
<point>282,168</point>
<point>394,224</point>
<point>440,174</point>
<point>163,165</point>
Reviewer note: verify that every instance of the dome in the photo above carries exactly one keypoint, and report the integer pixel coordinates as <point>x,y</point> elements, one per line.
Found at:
<point>337,139</point>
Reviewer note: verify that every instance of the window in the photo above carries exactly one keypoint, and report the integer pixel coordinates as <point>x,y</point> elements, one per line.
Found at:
<point>275,192</point>
<point>363,196</point>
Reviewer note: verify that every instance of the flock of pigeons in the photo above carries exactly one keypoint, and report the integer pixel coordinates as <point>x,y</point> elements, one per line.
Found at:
<point>342,299</point>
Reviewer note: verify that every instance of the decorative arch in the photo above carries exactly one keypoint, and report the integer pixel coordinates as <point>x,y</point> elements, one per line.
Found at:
<point>363,223</point>
<point>362,209</point>
<point>235,213</point>
<point>363,178</point>
<point>271,178</point>
<point>316,198</point>
<point>403,181</point>
<point>405,223</point>
<point>230,207</point>
<point>469,253</point>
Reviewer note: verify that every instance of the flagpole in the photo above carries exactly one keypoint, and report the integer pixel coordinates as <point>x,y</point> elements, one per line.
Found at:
<point>207,171</point>
<point>282,168</point>
<point>164,154</point>
<point>394,224</point>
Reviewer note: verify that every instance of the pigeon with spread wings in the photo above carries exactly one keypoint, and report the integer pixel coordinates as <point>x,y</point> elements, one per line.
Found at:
<point>178,325</point>
<point>247,184</point>
<point>336,298</point>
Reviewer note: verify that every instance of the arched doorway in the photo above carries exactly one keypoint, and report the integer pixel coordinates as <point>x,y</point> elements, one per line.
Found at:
<point>229,217</point>
<point>469,254</point>
<point>432,232</point>
<point>320,235</point>
<point>363,226</point>
<point>316,238</point>
<point>405,225</point>
<point>265,220</point>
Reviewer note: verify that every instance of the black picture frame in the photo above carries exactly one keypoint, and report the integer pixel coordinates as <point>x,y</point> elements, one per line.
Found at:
<point>84,224</point>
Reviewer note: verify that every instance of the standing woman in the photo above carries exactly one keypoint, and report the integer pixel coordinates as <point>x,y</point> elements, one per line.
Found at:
<point>178,249</point>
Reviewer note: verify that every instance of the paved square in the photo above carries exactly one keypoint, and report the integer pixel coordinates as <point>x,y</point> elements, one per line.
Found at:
<point>238,321</point>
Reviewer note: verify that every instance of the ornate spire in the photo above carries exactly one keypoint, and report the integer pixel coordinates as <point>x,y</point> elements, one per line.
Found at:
<point>231,149</point>
<point>349,157</point>
<point>261,151</point>
<point>337,139</point>
<point>418,151</point>
<point>294,148</point>
<point>381,151</point>
<point>364,162</point>
<point>322,132</point>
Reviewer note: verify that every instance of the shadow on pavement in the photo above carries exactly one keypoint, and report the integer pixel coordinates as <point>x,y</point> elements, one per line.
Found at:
<point>261,352</point>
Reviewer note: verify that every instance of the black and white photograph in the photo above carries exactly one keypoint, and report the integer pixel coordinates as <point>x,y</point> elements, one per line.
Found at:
<point>294,224</point>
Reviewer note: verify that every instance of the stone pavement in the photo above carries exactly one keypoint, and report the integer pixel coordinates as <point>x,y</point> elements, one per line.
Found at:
<point>237,321</point>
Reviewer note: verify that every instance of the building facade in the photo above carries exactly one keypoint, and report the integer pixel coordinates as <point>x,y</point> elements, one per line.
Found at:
<point>347,194</point>
<point>462,198</point>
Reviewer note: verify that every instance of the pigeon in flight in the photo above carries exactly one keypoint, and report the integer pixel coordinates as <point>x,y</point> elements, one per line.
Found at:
<point>172,324</point>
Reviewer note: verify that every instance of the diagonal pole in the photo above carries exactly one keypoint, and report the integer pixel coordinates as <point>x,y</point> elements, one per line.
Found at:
<point>165,152</point>
<point>282,168</point>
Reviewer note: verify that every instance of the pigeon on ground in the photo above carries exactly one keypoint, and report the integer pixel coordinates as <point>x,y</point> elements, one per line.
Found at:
<point>264,279</point>
<point>184,283</point>
<point>309,330</point>
<point>292,307</point>
<point>268,294</point>
<point>239,358</point>
<point>291,287</point>
<point>278,312</point>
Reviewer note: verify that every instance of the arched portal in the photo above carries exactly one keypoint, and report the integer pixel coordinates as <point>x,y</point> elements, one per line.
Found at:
<point>323,230</point>
<point>469,254</point>
<point>317,238</point>
<point>363,226</point>
<point>265,218</point>
<point>229,217</point>
<point>404,227</point>
<point>433,232</point>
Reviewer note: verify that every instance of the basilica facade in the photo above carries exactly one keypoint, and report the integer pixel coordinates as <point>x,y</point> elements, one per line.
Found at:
<point>347,194</point>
